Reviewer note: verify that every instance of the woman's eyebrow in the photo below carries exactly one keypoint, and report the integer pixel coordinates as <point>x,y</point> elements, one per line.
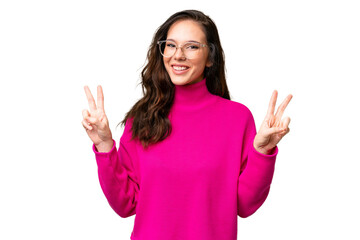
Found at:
<point>193,41</point>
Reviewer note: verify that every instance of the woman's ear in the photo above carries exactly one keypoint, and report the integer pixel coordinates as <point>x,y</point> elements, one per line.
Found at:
<point>208,64</point>
<point>211,56</point>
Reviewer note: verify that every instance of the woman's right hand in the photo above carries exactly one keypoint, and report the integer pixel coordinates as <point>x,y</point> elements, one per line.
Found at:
<point>96,123</point>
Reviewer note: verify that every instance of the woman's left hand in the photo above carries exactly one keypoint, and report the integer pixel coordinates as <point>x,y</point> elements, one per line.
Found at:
<point>272,129</point>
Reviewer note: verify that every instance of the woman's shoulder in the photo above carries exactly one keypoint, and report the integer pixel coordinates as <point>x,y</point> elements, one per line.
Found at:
<point>233,106</point>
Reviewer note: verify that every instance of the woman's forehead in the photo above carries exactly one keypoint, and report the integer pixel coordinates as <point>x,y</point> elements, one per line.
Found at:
<point>185,31</point>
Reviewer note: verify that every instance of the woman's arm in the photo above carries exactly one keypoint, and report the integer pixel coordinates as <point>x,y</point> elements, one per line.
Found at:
<point>117,175</point>
<point>256,172</point>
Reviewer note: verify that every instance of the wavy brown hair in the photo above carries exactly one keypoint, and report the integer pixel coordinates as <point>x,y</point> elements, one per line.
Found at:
<point>150,122</point>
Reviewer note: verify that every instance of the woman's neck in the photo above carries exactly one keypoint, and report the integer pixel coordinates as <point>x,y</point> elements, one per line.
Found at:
<point>191,96</point>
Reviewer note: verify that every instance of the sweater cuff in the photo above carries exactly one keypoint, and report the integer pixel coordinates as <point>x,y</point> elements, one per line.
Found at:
<point>265,156</point>
<point>104,155</point>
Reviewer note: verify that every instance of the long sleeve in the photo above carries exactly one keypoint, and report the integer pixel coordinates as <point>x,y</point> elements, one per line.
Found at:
<point>256,173</point>
<point>117,175</point>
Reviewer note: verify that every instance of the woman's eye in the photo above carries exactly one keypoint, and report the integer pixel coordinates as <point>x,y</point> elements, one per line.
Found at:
<point>192,47</point>
<point>170,45</point>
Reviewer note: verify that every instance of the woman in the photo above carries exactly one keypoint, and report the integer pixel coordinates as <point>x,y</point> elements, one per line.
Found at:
<point>189,160</point>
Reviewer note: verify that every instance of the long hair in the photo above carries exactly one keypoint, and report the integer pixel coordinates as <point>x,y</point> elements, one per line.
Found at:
<point>149,115</point>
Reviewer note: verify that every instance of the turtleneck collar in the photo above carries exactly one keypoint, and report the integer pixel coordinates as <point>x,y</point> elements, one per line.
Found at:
<point>191,96</point>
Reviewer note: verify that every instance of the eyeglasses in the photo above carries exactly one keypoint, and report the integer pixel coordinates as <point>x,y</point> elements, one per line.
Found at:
<point>190,49</point>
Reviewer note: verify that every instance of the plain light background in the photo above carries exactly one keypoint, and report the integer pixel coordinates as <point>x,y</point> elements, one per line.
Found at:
<point>50,49</point>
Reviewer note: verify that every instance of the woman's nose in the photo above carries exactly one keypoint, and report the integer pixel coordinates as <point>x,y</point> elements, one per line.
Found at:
<point>179,53</point>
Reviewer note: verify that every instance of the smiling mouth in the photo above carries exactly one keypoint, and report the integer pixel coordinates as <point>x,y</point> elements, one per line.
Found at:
<point>179,68</point>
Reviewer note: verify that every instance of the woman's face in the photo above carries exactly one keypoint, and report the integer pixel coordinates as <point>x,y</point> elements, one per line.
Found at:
<point>180,69</point>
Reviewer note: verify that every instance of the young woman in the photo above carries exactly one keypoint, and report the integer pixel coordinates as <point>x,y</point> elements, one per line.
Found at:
<point>189,160</point>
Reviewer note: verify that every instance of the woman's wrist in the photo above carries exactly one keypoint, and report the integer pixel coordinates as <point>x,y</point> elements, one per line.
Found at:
<point>105,146</point>
<point>265,151</point>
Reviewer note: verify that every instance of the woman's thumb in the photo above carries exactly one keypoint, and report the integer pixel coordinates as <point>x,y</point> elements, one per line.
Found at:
<point>92,120</point>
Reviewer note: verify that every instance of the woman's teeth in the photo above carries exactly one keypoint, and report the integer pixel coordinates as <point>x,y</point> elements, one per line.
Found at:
<point>179,68</point>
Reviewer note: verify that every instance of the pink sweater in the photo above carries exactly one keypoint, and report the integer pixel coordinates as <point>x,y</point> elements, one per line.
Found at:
<point>194,184</point>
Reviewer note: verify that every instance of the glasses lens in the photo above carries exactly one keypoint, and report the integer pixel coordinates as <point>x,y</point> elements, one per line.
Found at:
<point>191,50</point>
<point>167,48</point>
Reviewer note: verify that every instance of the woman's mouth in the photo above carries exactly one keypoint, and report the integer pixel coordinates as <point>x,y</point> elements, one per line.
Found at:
<point>179,69</point>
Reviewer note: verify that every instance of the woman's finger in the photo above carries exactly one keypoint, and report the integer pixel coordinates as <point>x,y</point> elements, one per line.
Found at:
<point>100,98</point>
<point>285,122</point>
<point>90,99</point>
<point>282,107</point>
<point>96,122</point>
<point>270,131</point>
<point>86,125</point>
<point>283,133</point>
<point>272,103</point>
<point>92,120</point>
<point>85,113</point>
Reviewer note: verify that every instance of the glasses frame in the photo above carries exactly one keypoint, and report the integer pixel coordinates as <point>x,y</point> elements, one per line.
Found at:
<point>180,46</point>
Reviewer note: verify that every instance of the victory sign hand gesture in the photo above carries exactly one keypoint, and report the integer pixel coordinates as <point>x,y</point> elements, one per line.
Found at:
<point>95,122</point>
<point>272,129</point>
